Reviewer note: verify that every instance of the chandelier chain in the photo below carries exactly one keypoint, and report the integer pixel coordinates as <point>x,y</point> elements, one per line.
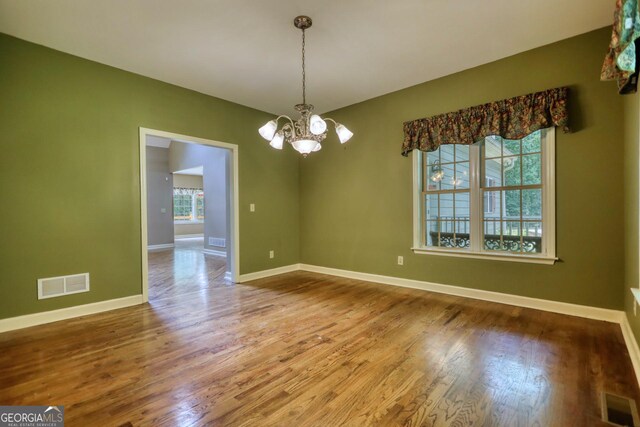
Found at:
<point>304,75</point>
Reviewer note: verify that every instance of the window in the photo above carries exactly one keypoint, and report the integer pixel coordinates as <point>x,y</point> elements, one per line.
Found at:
<point>494,199</point>
<point>188,205</point>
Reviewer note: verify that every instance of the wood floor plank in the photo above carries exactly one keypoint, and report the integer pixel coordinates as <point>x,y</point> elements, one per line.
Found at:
<point>304,349</point>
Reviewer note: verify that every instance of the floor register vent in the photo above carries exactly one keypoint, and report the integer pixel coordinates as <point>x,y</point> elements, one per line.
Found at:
<point>63,285</point>
<point>619,411</point>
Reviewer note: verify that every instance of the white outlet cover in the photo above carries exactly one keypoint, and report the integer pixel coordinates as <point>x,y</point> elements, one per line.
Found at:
<point>252,207</point>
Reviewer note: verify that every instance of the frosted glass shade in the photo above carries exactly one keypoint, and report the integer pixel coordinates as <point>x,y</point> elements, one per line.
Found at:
<point>277,141</point>
<point>304,146</point>
<point>344,134</point>
<point>317,126</point>
<point>268,130</point>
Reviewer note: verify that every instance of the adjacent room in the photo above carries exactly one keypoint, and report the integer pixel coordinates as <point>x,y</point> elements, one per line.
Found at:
<point>338,213</point>
<point>188,213</point>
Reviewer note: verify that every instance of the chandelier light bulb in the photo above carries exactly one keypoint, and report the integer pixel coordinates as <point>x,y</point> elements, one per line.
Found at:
<point>268,130</point>
<point>277,141</point>
<point>344,134</point>
<point>317,126</point>
<point>318,147</point>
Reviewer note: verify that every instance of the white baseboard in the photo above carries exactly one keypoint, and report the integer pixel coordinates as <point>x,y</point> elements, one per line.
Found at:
<point>228,275</point>
<point>160,247</point>
<point>520,301</point>
<point>34,319</point>
<point>632,345</point>
<point>267,273</point>
<point>188,236</point>
<point>214,252</point>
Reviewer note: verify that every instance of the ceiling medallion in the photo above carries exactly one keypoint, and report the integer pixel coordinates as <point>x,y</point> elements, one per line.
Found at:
<point>306,133</point>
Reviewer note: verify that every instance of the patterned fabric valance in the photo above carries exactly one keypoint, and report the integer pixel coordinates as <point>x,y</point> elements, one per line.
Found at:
<point>512,118</point>
<point>186,191</point>
<point>621,62</point>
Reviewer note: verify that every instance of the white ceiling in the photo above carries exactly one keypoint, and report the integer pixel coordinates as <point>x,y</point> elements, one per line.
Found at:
<point>249,52</point>
<point>198,170</point>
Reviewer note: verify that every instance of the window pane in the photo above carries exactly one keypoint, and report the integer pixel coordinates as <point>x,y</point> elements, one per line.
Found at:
<point>431,206</point>
<point>491,201</point>
<point>511,203</point>
<point>511,147</point>
<point>462,206</point>
<point>511,228</point>
<point>492,234</point>
<point>462,153</point>
<point>431,237</point>
<point>446,153</point>
<point>511,170</point>
<point>462,175</point>
<point>532,228</point>
<point>492,147</point>
<point>532,169</point>
<point>446,206</point>
<point>433,174</point>
<point>200,206</point>
<point>532,237</point>
<point>433,157</point>
<point>511,236</point>
<point>448,178</point>
<point>531,143</point>
<point>532,204</point>
<point>493,173</point>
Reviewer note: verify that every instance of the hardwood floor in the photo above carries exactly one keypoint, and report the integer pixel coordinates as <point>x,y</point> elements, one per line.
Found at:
<point>304,349</point>
<point>184,269</point>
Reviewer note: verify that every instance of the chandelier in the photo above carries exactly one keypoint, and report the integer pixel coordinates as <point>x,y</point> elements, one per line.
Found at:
<point>306,133</point>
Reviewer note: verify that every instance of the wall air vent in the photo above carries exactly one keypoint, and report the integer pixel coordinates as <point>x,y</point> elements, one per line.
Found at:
<point>63,285</point>
<point>217,241</point>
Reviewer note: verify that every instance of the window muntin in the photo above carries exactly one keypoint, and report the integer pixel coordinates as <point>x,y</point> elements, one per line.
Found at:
<point>494,197</point>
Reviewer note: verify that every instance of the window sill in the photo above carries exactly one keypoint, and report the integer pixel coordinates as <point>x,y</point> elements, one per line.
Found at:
<point>187,222</point>
<point>531,259</point>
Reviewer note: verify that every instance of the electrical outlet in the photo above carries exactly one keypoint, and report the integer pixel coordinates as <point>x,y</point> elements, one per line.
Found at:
<point>272,254</point>
<point>400,260</point>
<point>252,207</point>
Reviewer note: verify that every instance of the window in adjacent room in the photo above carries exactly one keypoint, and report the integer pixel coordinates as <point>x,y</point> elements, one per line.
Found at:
<point>495,198</point>
<point>188,205</point>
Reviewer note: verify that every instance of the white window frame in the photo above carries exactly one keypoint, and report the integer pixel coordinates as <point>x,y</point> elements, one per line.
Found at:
<point>548,250</point>
<point>194,205</point>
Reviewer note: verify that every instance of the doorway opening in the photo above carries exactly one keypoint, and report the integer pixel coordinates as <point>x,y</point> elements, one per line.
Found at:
<point>189,207</point>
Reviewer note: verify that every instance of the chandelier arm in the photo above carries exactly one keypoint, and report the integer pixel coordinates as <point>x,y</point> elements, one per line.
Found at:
<point>284,117</point>
<point>330,120</point>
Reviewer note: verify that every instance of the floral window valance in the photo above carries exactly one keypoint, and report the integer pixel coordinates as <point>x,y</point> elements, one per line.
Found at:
<point>621,62</point>
<point>512,118</point>
<point>184,191</point>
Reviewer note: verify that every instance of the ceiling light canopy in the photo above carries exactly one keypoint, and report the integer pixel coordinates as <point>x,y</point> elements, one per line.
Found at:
<point>306,133</point>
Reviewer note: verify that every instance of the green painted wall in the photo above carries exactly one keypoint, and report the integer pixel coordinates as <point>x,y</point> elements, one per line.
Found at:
<point>631,177</point>
<point>69,174</point>
<point>356,200</point>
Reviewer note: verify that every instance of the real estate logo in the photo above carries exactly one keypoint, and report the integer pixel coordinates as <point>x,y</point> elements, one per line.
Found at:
<point>31,416</point>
